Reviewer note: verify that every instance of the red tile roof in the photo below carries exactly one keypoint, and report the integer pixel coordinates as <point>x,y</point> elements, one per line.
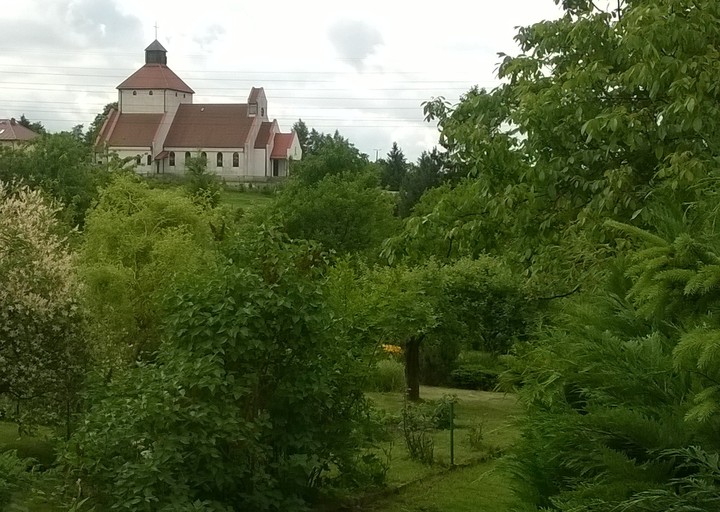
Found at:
<point>263,136</point>
<point>209,126</point>
<point>129,130</point>
<point>11,130</point>
<point>155,76</point>
<point>283,143</point>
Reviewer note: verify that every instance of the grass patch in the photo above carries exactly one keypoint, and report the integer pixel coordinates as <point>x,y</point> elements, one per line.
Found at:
<point>476,482</point>
<point>472,488</point>
<point>244,199</point>
<point>38,448</point>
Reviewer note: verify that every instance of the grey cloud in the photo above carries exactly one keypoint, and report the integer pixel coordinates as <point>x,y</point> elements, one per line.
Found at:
<point>102,24</point>
<point>354,40</point>
<point>209,36</point>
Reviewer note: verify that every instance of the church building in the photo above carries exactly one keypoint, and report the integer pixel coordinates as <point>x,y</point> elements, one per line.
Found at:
<point>157,124</point>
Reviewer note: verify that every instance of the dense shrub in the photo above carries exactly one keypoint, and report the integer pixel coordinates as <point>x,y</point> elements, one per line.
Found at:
<point>389,375</point>
<point>474,377</point>
<point>252,403</point>
<point>13,474</point>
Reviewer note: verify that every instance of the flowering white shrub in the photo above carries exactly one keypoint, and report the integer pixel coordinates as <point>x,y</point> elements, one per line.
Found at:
<point>41,346</point>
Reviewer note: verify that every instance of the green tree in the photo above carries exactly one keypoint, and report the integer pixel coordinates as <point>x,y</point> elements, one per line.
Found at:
<point>429,172</point>
<point>394,168</point>
<point>60,164</point>
<point>595,118</point>
<point>301,129</point>
<point>36,126</point>
<point>138,243</point>
<point>326,155</point>
<point>347,213</point>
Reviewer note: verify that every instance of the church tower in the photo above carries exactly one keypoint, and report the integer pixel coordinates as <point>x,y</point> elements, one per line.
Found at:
<point>154,88</point>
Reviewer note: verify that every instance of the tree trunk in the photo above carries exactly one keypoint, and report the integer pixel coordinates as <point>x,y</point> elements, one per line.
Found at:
<point>412,367</point>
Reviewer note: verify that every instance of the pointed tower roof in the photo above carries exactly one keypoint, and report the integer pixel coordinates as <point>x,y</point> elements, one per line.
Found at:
<point>155,46</point>
<point>155,74</point>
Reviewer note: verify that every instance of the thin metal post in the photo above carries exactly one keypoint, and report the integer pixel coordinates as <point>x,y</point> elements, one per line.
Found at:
<point>452,433</point>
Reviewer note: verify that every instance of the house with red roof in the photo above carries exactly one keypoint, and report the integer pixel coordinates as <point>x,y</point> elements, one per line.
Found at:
<point>14,134</point>
<point>158,125</point>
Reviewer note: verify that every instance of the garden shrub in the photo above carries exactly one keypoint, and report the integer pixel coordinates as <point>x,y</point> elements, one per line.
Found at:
<point>416,428</point>
<point>253,402</point>
<point>389,376</point>
<point>440,411</point>
<point>13,474</point>
<point>474,377</point>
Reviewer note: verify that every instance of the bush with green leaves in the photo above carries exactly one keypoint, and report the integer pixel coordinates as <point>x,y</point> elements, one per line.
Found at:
<point>417,424</point>
<point>13,476</point>
<point>389,376</point>
<point>254,401</point>
<point>346,212</point>
<point>202,186</point>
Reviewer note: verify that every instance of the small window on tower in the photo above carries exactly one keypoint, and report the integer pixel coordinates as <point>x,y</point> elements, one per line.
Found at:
<point>150,93</point>
<point>176,95</point>
<point>134,93</point>
<point>187,155</point>
<point>262,112</point>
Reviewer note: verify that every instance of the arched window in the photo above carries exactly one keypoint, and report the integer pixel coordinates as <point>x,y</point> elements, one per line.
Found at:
<point>219,160</point>
<point>236,159</point>
<point>203,155</point>
<point>150,93</point>
<point>134,93</point>
<point>187,155</point>
<point>171,157</point>
<point>149,159</point>
<point>138,161</point>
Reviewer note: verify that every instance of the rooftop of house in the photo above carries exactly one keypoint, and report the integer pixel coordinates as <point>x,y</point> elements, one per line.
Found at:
<point>11,130</point>
<point>210,125</point>
<point>282,144</point>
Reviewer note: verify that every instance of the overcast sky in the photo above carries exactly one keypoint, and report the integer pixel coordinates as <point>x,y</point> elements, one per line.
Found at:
<point>363,68</point>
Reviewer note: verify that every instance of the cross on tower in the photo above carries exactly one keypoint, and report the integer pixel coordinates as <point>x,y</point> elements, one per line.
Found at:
<point>156,29</point>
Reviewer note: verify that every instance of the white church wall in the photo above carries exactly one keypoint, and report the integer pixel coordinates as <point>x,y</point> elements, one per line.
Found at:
<point>143,101</point>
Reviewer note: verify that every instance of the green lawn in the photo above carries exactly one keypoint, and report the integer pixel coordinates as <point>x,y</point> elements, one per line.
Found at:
<point>477,482</point>
<point>245,199</point>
